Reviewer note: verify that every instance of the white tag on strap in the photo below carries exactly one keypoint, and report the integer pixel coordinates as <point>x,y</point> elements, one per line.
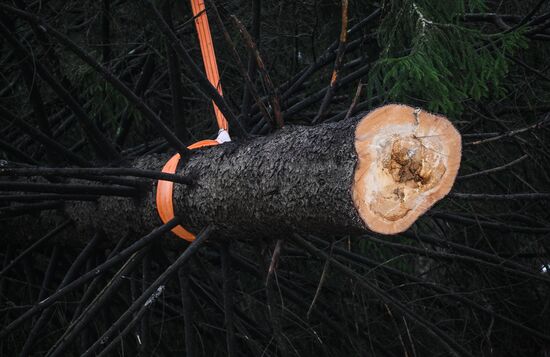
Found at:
<point>223,136</point>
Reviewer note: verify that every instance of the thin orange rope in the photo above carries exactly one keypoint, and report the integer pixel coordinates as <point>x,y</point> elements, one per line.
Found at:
<point>165,189</point>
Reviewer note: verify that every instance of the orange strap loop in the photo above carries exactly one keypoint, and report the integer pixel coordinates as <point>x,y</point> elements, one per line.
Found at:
<point>165,189</point>
<point>165,204</point>
<point>208,54</point>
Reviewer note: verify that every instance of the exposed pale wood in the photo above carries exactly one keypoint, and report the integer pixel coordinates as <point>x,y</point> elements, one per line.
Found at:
<point>377,171</point>
<point>407,160</point>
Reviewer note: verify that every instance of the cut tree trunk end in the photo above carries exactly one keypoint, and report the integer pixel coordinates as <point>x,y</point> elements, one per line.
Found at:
<point>408,160</point>
<point>377,172</point>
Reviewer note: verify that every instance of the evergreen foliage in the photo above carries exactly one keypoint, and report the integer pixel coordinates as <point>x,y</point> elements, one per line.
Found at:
<point>430,58</point>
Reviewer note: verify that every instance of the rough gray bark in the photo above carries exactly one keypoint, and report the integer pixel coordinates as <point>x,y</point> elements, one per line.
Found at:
<point>379,171</point>
<point>298,179</point>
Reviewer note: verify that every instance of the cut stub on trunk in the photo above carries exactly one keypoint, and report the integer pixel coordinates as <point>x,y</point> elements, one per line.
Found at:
<point>407,160</point>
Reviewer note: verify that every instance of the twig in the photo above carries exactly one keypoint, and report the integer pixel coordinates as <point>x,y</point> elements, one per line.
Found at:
<point>52,263</point>
<point>500,197</point>
<point>69,276</point>
<point>228,307</point>
<point>174,73</point>
<point>360,261</point>
<point>122,191</point>
<point>529,68</point>
<point>312,99</point>
<point>149,296</point>
<point>273,96</point>
<point>43,139</point>
<point>98,270</point>
<point>498,226</point>
<point>186,303</point>
<point>321,282</point>
<point>144,328</point>
<point>274,261</point>
<point>105,31</point>
<point>108,76</point>
<point>447,341</point>
<point>81,322</point>
<point>16,153</point>
<point>102,147</point>
<point>91,287</point>
<point>139,89</point>
<point>337,64</point>
<point>354,102</point>
<point>35,245</point>
<point>33,87</point>
<point>47,197</point>
<point>493,170</point>
<point>291,101</point>
<point>274,313</point>
<point>450,256</point>
<point>18,210</point>
<point>204,86</point>
<point>290,292</point>
<point>537,125</point>
<point>100,171</point>
<point>255,33</point>
<point>468,251</point>
<point>240,66</point>
<point>327,56</point>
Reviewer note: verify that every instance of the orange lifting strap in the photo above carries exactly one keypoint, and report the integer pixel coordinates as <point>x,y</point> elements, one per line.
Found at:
<point>165,204</point>
<point>208,54</point>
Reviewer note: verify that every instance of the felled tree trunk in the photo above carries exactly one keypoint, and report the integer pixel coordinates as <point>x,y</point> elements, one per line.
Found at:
<point>378,172</point>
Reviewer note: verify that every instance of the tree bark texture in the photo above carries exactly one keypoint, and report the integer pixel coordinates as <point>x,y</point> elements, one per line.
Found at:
<point>300,179</point>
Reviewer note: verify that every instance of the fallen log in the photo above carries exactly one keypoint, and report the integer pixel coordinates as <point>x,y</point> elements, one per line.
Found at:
<point>378,171</point>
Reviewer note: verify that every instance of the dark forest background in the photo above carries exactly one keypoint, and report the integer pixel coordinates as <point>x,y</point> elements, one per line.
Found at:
<point>471,277</point>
